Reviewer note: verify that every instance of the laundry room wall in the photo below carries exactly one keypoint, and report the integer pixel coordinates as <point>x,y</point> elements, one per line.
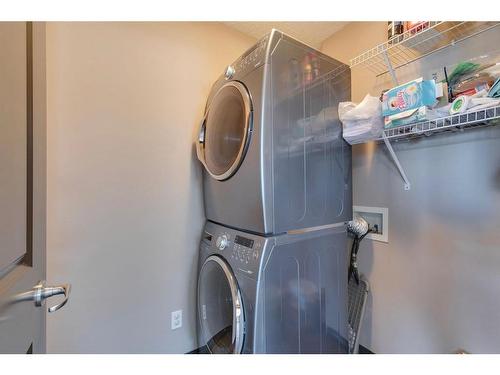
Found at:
<point>125,209</point>
<point>433,284</point>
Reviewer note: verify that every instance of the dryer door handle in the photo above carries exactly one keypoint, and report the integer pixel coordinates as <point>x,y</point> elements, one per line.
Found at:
<point>201,135</point>
<point>200,144</point>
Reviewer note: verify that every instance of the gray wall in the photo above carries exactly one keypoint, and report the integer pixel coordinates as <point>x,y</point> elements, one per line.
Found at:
<point>435,284</point>
<point>124,188</point>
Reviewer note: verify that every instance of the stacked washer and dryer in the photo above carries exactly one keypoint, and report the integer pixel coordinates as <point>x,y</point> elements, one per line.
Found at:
<point>272,275</point>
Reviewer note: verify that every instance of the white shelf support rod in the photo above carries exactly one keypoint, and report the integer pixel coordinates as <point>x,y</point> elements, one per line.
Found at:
<point>386,141</point>
<point>396,161</point>
<point>390,68</point>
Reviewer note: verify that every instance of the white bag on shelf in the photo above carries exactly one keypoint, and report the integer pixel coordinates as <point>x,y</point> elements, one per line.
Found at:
<point>361,122</point>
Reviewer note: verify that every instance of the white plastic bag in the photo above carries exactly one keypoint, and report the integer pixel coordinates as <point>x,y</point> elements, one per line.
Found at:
<point>361,122</point>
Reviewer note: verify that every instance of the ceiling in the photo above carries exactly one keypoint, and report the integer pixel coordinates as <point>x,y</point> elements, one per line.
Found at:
<point>311,33</point>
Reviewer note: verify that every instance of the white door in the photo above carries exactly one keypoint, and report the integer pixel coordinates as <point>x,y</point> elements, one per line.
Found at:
<point>23,189</point>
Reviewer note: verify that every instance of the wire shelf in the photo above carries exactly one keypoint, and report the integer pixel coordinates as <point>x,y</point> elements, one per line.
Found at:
<point>420,41</point>
<point>471,119</point>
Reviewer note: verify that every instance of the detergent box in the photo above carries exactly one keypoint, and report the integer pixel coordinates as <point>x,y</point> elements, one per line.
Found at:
<point>407,103</point>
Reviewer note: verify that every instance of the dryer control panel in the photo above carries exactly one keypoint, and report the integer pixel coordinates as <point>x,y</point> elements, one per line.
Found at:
<point>250,60</point>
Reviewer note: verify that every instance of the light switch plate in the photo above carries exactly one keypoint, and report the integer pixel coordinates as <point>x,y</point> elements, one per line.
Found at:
<point>176,319</point>
<point>374,215</point>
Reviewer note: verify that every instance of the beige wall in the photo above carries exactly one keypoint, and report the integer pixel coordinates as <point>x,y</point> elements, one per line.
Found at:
<point>433,284</point>
<point>350,41</point>
<point>124,192</point>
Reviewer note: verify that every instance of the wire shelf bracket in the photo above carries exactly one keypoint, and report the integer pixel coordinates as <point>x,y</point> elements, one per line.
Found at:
<point>401,170</point>
<point>390,68</point>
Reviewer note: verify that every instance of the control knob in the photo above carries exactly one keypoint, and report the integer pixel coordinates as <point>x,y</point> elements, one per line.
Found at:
<point>229,72</point>
<point>222,242</point>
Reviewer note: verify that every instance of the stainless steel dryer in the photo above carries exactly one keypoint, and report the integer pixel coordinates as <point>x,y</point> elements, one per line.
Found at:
<point>271,142</point>
<point>281,294</point>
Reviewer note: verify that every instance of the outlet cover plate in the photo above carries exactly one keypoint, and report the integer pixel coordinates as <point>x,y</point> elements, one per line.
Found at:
<point>384,212</point>
<point>176,319</point>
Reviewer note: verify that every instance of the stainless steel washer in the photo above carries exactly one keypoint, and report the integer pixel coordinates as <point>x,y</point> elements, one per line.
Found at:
<point>279,294</point>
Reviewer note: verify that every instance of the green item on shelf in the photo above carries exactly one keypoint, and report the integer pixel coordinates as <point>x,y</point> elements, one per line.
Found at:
<point>461,70</point>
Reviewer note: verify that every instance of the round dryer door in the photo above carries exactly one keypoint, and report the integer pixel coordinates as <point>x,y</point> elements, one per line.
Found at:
<point>220,309</point>
<point>225,131</point>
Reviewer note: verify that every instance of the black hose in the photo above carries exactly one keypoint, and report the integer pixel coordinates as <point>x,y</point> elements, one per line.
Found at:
<point>353,265</point>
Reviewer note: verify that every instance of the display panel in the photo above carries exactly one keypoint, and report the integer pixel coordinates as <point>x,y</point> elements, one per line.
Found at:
<point>243,241</point>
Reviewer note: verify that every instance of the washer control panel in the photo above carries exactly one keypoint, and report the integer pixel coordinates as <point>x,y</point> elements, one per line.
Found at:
<point>245,250</point>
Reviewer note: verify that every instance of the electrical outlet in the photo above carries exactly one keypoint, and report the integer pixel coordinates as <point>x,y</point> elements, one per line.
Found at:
<point>176,319</point>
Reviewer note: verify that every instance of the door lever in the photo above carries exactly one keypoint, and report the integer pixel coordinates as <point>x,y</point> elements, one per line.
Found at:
<point>40,293</point>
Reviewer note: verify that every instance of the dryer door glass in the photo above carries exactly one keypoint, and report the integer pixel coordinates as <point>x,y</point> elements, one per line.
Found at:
<point>227,130</point>
<point>220,309</point>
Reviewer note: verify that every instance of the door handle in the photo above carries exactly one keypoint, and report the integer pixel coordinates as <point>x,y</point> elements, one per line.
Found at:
<point>41,292</point>
<point>201,134</point>
<point>200,142</point>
